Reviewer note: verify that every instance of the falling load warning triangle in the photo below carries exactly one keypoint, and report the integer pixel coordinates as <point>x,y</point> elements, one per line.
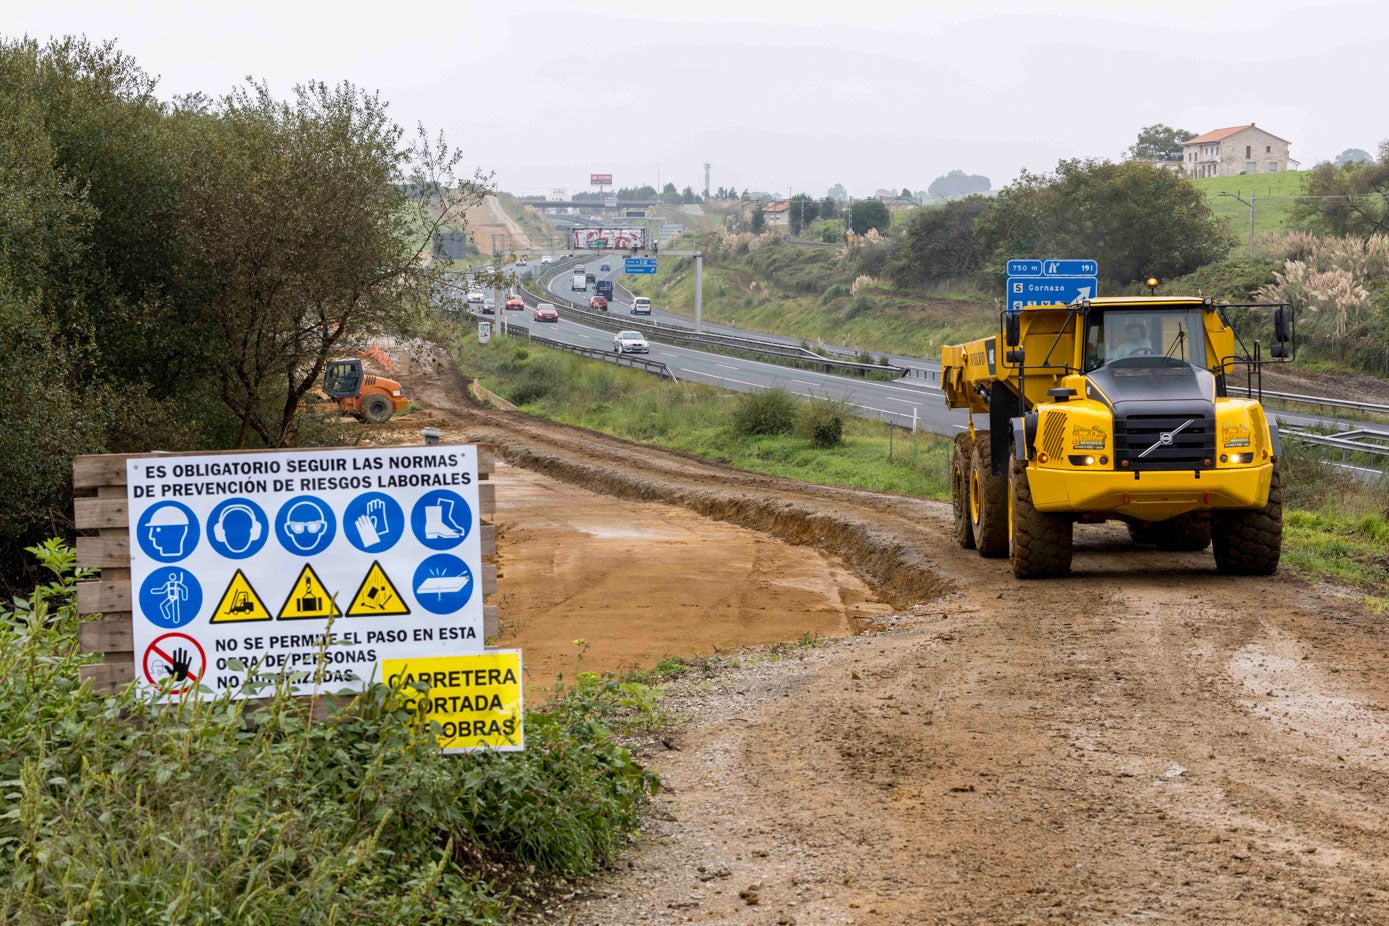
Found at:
<point>308,599</point>
<point>240,603</point>
<point>377,596</point>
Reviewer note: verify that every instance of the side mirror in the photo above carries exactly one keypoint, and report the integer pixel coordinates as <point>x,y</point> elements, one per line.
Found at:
<point>1012,329</point>
<point>1282,324</point>
<point>1279,351</point>
<point>1015,357</point>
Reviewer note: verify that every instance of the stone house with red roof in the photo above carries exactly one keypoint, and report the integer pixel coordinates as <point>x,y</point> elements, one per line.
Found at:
<point>1240,149</point>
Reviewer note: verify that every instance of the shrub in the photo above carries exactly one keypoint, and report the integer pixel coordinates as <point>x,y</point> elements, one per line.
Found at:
<point>822,421</point>
<point>771,411</point>
<point>125,810</point>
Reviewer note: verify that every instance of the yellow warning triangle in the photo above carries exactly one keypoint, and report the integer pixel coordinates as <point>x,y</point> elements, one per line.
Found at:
<point>376,595</point>
<point>308,599</point>
<point>240,603</point>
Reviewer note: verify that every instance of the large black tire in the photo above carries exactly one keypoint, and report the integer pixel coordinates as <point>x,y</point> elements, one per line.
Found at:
<point>988,502</point>
<point>1248,543</point>
<point>1039,542</point>
<point>377,408</point>
<point>1189,533</point>
<point>959,491</point>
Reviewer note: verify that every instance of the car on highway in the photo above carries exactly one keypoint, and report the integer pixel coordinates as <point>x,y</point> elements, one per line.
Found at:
<point>476,297</point>
<point>514,304</point>
<point>520,262</point>
<point>641,305</point>
<point>605,267</point>
<point>489,305</point>
<point>545,258</point>
<point>578,268</point>
<point>546,312</point>
<point>591,277</point>
<point>630,342</point>
<point>598,302</point>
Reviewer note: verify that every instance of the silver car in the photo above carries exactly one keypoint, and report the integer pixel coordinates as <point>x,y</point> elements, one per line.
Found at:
<point>630,342</point>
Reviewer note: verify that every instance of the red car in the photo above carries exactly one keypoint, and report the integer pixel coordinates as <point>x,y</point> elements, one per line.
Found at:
<point>598,302</point>
<point>545,312</point>
<point>514,305</point>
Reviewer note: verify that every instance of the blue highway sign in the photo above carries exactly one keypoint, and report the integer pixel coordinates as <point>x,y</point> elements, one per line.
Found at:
<point>1051,282</point>
<point>639,265</point>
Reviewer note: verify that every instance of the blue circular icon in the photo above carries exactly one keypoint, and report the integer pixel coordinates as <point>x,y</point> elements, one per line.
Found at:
<point>441,519</point>
<point>305,525</point>
<point>443,584</point>
<point>237,528</point>
<point>171,597</point>
<point>167,531</point>
<point>373,522</point>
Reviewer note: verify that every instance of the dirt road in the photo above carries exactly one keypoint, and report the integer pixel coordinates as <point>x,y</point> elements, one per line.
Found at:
<point>1145,741</point>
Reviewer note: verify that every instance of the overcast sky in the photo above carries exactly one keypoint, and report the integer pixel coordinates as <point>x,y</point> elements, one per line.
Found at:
<point>782,96</point>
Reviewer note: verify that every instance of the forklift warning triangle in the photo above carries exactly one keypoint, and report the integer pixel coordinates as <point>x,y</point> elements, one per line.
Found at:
<point>240,603</point>
<point>308,599</point>
<point>376,596</point>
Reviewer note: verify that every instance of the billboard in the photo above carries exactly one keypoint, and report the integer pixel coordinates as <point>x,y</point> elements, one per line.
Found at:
<point>600,179</point>
<point>609,238</point>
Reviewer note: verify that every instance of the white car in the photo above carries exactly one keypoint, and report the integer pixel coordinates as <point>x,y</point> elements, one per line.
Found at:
<point>545,258</point>
<point>520,262</point>
<point>476,297</point>
<point>641,305</point>
<point>630,342</point>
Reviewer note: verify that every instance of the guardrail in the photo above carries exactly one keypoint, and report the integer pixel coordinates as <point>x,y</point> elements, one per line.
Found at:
<point>623,360</point>
<point>1360,440</point>
<point>1366,407</point>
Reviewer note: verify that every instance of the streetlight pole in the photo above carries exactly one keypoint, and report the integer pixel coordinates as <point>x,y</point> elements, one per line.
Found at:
<point>1250,204</point>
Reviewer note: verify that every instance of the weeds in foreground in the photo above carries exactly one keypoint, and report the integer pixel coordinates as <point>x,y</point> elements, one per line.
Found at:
<point>121,809</point>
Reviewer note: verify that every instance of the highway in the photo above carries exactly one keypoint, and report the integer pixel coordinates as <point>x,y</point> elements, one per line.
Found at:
<point>901,402</point>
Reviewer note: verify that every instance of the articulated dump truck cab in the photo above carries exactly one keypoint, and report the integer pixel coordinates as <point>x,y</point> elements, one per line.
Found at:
<point>1117,409</point>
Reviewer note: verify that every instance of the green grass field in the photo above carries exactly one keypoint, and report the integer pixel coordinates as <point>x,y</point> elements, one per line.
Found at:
<point>1272,195</point>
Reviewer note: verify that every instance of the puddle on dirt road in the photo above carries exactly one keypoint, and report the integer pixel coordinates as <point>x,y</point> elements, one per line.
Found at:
<point>638,582</point>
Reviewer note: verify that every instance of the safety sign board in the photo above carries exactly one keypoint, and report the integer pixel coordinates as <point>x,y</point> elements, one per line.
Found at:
<point>1051,282</point>
<point>310,565</point>
<point>472,702</point>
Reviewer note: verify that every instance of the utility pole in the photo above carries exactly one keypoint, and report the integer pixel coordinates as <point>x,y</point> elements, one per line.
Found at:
<point>1250,204</point>
<point>706,180</point>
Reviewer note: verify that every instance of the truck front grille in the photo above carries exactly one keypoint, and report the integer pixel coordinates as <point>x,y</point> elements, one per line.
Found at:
<point>1185,447</point>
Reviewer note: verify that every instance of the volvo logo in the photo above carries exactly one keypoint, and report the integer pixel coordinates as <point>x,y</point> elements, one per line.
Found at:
<point>1165,438</point>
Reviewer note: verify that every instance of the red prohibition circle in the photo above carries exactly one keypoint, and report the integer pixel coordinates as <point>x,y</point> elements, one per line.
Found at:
<point>158,649</point>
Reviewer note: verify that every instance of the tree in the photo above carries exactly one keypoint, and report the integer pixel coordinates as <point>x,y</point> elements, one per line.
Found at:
<point>906,193</point>
<point>939,243</point>
<point>829,209</point>
<point>958,183</point>
<point>1158,143</point>
<point>759,221</point>
<point>687,195</point>
<point>801,211</point>
<point>303,237</point>
<point>670,195</point>
<point>869,213</point>
<point>1352,199</point>
<point>838,193</point>
<point>1135,219</point>
<point>1352,155</point>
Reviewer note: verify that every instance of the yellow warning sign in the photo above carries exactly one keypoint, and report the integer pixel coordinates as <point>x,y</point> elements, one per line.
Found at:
<point>471,702</point>
<point>308,599</point>
<point>376,595</point>
<point>240,603</point>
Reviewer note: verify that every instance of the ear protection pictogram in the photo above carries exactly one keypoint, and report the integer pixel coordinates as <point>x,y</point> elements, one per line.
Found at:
<point>219,529</point>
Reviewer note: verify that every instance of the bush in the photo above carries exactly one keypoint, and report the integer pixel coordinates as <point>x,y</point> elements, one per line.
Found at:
<point>822,421</point>
<point>771,411</point>
<point>125,810</point>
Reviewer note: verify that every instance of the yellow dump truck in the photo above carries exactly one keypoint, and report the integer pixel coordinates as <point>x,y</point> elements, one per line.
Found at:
<point>1118,409</point>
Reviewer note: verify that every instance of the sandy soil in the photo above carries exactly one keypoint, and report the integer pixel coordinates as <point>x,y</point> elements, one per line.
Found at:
<point>1145,741</point>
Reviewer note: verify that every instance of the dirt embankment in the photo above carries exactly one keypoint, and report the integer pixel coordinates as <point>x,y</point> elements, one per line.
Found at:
<point>1145,741</point>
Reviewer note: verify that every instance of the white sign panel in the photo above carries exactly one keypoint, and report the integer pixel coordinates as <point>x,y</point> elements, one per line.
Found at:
<point>280,559</point>
<point>613,239</point>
